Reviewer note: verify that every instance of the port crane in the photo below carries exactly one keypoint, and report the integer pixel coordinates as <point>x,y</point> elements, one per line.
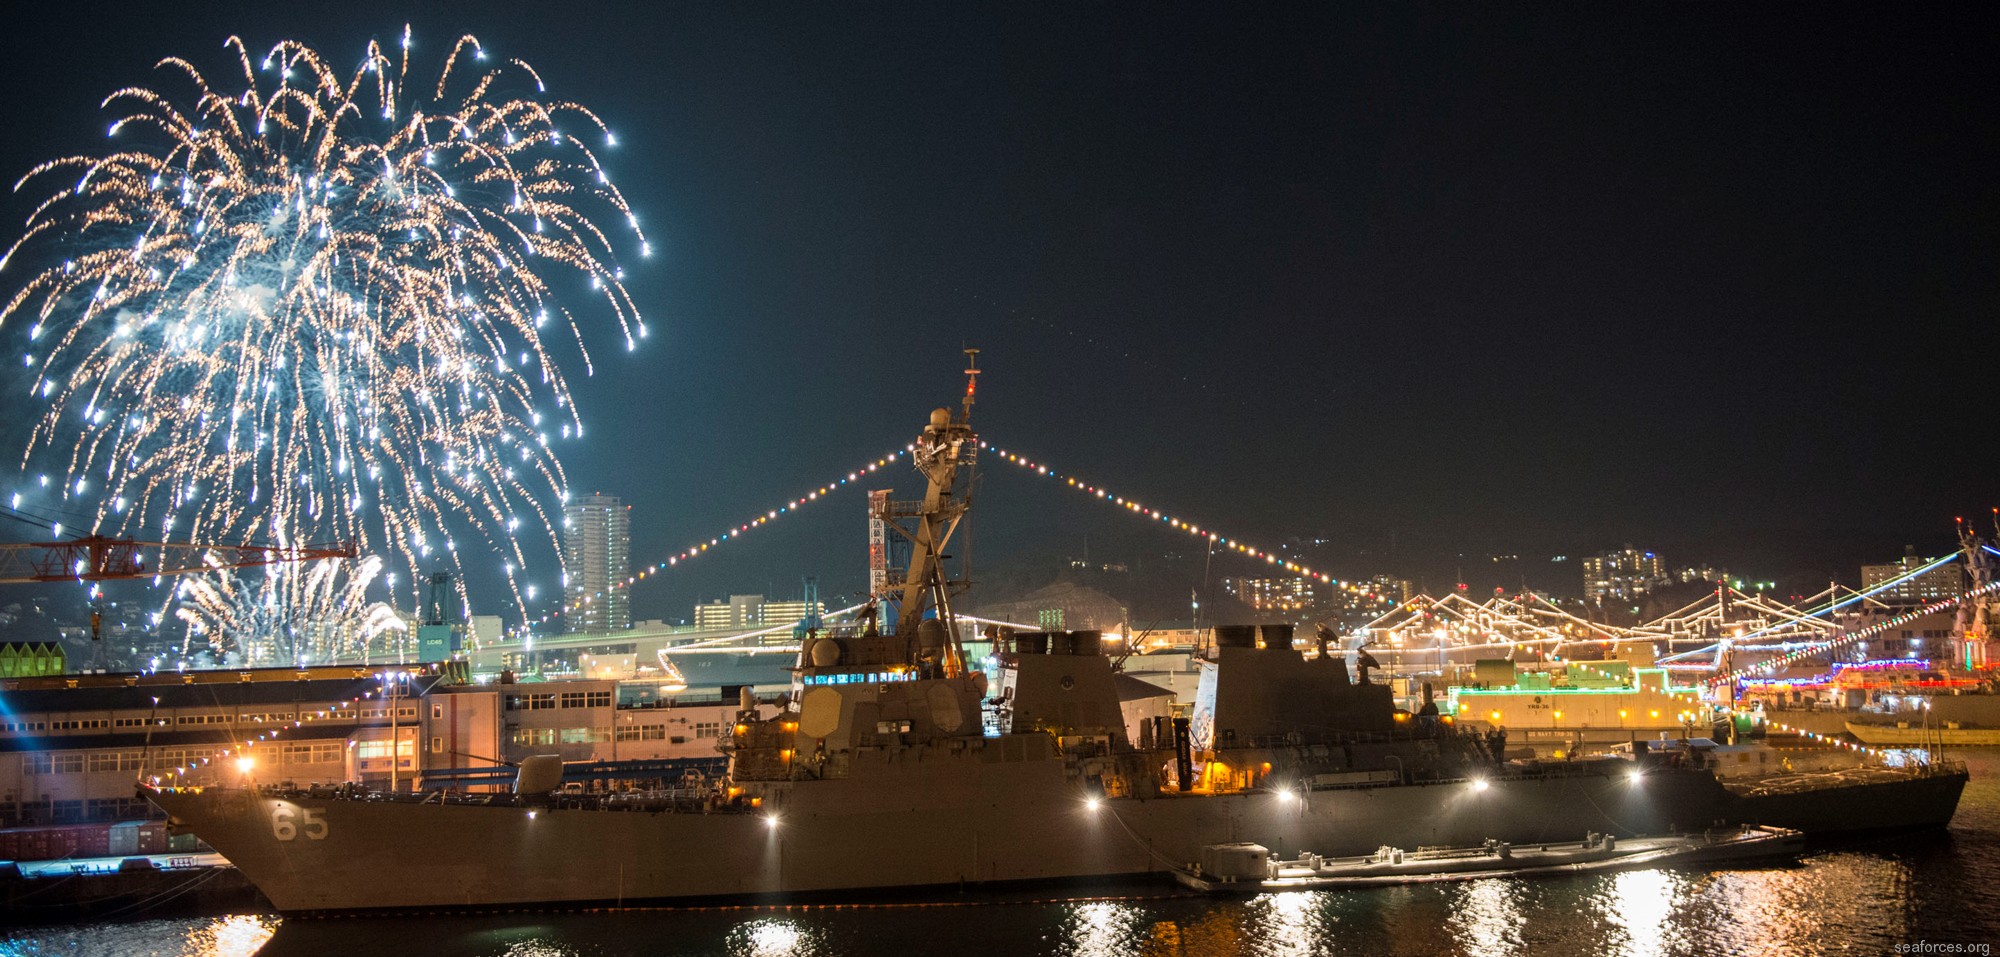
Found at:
<point>99,558</point>
<point>96,558</point>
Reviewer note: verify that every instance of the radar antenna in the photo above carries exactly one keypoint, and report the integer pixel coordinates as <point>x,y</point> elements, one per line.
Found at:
<point>947,448</point>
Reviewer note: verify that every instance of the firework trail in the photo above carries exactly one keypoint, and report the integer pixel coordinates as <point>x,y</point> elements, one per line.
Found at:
<point>313,306</point>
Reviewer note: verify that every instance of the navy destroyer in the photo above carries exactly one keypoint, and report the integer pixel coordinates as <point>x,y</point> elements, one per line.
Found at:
<point>892,764</point>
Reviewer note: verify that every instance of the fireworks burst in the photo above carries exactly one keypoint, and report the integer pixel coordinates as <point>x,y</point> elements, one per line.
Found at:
<point>314,307</point>
<point>292,613</point>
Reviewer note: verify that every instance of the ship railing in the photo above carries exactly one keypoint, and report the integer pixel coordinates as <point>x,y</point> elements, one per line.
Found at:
<point>1939,765</point>
<point>692,800</point>
<point>1329,736</point>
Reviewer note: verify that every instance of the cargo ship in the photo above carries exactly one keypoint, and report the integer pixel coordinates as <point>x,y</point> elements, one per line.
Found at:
<point>892,766</point>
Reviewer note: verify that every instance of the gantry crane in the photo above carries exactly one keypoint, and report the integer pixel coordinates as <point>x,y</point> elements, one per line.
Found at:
<point>98,558</point>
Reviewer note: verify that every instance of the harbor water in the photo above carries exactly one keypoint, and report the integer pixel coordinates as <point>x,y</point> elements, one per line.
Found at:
<point>1932,893</point>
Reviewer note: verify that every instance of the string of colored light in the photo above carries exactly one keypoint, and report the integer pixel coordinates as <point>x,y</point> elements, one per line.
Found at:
<point>1834,672</point>
<point>1829,739</point>
<point>1811,650</point>
<point>1833,604</point>
<point>1143,510</point>
<point>1693,696</point>
<point>330,711</point>
<point>700,548</point>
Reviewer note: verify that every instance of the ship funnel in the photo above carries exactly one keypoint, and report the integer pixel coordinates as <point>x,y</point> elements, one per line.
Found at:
<point>539,774</point>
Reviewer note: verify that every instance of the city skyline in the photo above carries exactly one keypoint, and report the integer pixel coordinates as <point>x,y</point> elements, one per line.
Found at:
<point>1650,306</point>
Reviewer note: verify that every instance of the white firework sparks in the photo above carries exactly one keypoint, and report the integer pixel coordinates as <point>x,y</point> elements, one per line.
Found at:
<point>312,307</point>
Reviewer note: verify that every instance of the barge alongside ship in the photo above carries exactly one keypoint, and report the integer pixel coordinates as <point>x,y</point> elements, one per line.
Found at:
<point>892,765</point>
<point>1237,869</point>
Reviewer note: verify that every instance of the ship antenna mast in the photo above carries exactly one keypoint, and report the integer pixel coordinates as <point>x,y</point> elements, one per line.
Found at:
<point>947,447</point>
<point>971,384</point>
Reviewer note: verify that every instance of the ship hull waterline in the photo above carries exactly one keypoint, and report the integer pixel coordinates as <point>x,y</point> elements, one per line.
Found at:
<point>971,823</point>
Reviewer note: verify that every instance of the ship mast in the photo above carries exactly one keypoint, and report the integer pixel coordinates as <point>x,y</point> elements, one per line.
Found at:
<point>947,447</point>
<point>1974,626</point>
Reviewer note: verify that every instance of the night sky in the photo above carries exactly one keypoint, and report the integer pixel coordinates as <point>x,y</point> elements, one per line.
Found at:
<point>1422,283</point>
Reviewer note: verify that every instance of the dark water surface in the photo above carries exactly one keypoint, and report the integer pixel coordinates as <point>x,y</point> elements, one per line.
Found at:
<point>1889,895</point>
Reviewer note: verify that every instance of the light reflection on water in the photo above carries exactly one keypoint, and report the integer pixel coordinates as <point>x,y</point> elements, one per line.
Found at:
<point>774,937</point>
<point>1102,929</point>
<point>1856,898</point>
<point>234,935</point>
<point>1639,903</point>
<point>239,935</point>
<point>1486,917</point>
<point>1289,924</point>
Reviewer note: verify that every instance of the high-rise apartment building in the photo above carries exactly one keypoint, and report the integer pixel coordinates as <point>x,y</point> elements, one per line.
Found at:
<point>1272,594</point>
<point>1945,581</point>
<point>1622,575</point>
<point>597,554</point>
<point>1391,588</point>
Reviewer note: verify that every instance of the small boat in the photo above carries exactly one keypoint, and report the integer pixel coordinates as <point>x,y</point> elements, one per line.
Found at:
<point>1249,869</point>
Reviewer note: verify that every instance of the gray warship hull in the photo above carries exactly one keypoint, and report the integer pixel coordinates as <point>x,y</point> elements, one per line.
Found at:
<point>909,820</point>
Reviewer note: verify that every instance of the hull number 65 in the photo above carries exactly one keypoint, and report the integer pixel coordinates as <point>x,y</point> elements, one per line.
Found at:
<point>287,821</point>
